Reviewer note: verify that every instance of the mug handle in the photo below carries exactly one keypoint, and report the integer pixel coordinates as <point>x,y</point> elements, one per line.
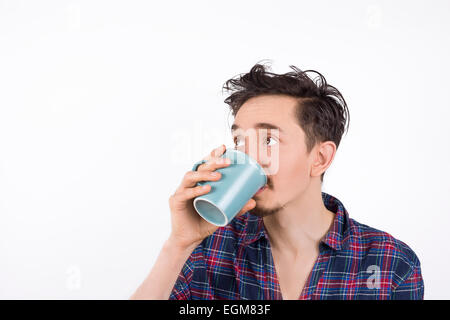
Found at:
<point>194,168</point>
<point>197,164</point>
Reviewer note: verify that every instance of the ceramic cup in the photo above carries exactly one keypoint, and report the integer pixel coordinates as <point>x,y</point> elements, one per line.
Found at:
<point>238,184</point>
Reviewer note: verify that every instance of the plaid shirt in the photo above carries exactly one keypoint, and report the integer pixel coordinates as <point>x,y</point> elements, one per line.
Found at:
<point>355,262</point>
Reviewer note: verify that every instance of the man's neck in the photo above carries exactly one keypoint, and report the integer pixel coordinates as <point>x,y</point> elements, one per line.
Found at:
<point>299,227</point>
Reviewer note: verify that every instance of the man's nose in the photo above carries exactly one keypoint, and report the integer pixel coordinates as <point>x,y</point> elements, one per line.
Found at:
<point>267,159</point>
<point>257,151</point>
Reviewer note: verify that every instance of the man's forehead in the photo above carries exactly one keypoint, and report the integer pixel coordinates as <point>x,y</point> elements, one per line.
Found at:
<point>266,112</point>
<point>258,125</point>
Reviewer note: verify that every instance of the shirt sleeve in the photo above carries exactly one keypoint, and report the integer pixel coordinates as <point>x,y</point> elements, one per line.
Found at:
<point>412,288</point>
<point>181,290</point>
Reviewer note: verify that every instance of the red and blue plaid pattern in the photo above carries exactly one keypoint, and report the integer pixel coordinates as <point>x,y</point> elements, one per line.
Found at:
<point>355,262</point>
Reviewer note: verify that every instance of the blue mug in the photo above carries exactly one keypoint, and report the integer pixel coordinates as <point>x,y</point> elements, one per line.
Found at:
<point>238,184</point>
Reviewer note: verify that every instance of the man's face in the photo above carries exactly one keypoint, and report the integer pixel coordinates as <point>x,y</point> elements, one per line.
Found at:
<point>281,153</point>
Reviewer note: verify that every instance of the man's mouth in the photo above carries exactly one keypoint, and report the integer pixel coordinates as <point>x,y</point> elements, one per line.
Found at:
<point>261,190</point>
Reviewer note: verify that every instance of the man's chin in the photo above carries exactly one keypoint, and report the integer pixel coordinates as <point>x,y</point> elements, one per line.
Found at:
<point>263,212</point>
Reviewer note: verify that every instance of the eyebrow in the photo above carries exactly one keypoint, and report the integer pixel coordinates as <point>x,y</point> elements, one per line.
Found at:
<point>259,125</point>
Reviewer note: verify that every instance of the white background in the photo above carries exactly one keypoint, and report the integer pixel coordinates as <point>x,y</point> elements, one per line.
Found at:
<point>104,105</point>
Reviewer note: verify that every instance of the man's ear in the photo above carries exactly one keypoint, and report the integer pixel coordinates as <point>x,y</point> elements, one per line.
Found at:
<point>323,157</point>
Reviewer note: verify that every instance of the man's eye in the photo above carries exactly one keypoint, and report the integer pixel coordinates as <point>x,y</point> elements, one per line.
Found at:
<point>236,141</point>
<point>268,138</point>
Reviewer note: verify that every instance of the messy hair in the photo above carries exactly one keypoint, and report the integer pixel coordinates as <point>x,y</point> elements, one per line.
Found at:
<point>321,110</point>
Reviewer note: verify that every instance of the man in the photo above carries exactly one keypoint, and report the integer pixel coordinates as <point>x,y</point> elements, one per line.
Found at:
<point>291,240</point>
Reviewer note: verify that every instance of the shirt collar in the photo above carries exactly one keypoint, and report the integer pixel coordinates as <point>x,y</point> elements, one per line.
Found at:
<point>254,227</point>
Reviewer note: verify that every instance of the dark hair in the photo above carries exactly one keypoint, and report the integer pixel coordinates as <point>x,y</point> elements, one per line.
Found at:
<point>321,111</point>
